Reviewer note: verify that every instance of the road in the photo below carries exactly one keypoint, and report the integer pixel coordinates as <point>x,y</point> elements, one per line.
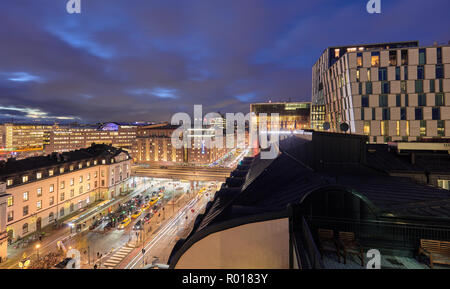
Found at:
<point>162,236</point>
<point>158,249</point>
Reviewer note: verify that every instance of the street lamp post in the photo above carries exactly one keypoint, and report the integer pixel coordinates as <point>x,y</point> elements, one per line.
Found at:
<point>37,250</point>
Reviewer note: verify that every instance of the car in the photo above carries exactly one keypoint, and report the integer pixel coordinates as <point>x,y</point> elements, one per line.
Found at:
<point>124,223</point>
<point>160,196</point>
<point>153,201</point>
<point>109,225</point>
<point>145,206</point>
<point>147,198</point>
<point>136,214</point>
<point>138,225</point>
<point>147,217</point>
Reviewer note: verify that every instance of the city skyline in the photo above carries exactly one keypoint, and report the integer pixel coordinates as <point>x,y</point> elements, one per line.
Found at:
<point>156,58</point>
<point>251,134</point>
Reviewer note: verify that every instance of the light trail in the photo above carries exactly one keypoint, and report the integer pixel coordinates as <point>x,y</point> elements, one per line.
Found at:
<point>167,229</point>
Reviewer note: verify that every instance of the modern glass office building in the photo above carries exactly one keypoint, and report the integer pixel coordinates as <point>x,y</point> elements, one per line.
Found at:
<point>292,115</point>
<point>390,91</point>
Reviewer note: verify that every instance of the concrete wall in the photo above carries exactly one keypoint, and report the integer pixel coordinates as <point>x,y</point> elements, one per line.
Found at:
<point>262,245</point>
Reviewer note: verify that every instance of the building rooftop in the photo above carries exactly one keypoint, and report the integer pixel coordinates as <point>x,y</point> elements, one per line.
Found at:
<point>305,165</point>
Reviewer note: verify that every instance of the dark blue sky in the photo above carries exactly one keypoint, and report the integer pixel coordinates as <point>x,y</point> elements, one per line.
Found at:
<point>133,60</point>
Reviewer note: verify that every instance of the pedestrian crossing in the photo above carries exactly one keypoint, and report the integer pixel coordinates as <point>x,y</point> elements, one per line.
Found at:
<point>117,257</point>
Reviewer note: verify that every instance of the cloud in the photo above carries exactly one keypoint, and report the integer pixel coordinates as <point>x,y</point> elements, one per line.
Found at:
<point>146,61</point>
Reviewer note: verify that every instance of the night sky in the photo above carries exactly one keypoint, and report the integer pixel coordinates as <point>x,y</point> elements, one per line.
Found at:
<point>143,60</point>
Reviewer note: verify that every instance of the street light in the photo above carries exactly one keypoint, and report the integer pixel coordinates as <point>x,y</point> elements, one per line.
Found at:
<point>37,250</point>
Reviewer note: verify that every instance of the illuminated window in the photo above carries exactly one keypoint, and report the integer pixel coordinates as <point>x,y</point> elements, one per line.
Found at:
<point>398,128</point>
<point>25,196</point>
<point>384,128</point>
<point>441,128</point>
<point>407,128</point>
<point>61,170</point>
<point>9,182</point>
<point>336,53</point>
<point>24,179</point>
<point>52,188</point>
<point>444,184</point>
<point>367,127</point>
<point>423,128</point>
<point>62,185</point>
<point>39,192</point>
<point>38,175</point>
<point>50,173</point>
<point>359,60</point>
<point>39,205</point>
<point>10,201</point>
<point>375,60</point>
<point>369,75</point>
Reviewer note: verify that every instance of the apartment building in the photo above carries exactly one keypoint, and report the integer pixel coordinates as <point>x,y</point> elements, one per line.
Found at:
<point>44,189</point>
<point>389,91</point>
<point>154,145</point>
